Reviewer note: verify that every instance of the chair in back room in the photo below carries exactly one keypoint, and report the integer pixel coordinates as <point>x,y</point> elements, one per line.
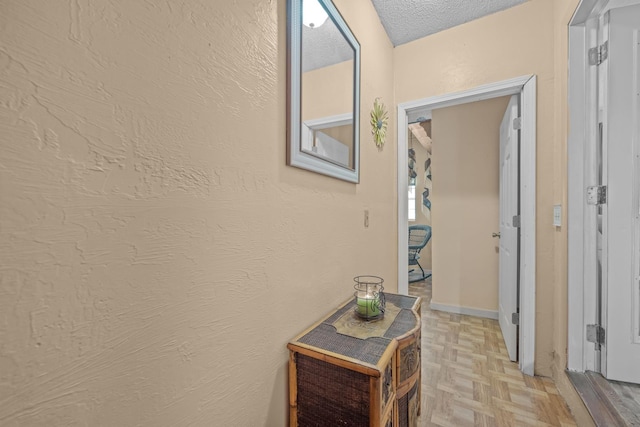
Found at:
<point>419,236</point>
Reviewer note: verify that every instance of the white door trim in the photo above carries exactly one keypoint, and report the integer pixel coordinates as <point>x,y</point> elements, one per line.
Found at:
<point>526,87</point>
<point>580,170</point>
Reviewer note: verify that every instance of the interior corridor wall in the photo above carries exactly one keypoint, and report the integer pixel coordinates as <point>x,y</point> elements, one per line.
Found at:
<point>157,253</point>
<point>466,198</point>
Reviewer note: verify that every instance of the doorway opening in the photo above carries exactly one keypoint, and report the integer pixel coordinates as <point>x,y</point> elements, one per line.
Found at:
<point>420,196</point>
<point>604,231</point>
<point>603,153</point>
<point>525,87</point>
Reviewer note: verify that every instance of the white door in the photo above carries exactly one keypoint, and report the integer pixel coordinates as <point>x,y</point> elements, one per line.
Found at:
<point>508,276</point>
<point>622,138</point>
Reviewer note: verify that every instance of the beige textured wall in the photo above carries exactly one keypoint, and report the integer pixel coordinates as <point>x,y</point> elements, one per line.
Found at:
<point>320,99</point>
<point>342,133</point>
<point>466,199</point>
<point>507,44</point>
<point>138,140</point>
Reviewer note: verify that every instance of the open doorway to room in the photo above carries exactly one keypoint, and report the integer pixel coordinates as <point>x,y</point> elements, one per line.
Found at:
<point>470,210</point>
<point>467,193</point>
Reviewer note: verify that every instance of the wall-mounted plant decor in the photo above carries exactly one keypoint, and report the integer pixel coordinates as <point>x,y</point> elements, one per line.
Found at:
<point>379,119</point>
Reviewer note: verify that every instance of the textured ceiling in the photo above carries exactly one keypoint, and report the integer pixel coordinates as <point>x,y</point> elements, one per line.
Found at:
<point>403,20</point>
<point>408,20</point>
<point>324,46</point>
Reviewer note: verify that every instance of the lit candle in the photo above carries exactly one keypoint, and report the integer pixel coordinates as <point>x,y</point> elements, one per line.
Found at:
<point>368,305</point>
<point>369,297</point>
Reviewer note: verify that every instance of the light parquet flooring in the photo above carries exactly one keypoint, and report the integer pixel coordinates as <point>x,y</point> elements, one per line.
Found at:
<point>468,379</point>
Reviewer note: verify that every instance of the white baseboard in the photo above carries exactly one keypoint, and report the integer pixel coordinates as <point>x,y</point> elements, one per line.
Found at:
<point>489,314</point>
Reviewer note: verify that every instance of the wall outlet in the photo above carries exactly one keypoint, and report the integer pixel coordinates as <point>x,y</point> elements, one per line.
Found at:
<point>366,218</point>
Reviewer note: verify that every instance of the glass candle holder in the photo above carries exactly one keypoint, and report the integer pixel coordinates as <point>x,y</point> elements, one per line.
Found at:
<point>369,297</point>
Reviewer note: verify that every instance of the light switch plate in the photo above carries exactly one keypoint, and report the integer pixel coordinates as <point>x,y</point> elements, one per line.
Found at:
<point>557,215</point>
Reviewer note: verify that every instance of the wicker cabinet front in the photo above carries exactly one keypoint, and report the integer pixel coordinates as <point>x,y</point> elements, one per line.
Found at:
<point>330,395</point>
<point>408,406</point>
<point>346,371</point>
<point>408,386</point>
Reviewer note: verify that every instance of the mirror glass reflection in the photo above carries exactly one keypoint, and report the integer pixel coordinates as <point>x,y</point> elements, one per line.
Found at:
<point>323,91</point>
<point>327,88</point>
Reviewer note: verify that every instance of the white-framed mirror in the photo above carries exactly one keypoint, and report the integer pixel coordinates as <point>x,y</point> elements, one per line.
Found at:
<point>323,102</point>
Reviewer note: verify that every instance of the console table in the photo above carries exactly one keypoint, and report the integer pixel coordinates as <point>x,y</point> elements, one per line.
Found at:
<point>348,371</point>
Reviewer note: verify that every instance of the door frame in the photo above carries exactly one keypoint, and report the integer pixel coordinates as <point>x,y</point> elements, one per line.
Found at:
<point>525,86</point>
<point>582,172</point>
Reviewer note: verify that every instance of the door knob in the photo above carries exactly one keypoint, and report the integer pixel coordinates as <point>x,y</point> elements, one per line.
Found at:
<point>495,235</point>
